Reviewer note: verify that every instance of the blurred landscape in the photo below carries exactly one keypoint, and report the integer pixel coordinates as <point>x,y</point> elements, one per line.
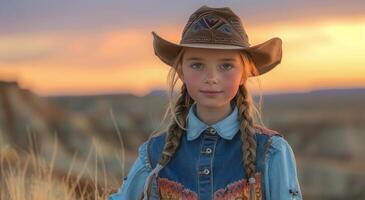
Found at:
<point>78,91</point>
<point>77,136</point>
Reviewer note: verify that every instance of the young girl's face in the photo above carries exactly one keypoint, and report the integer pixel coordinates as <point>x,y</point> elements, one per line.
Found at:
<point>212,76</point>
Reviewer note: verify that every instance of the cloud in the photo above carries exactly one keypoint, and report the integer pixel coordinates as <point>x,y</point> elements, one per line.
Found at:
<point>16,49</point>
<point>104,50</point>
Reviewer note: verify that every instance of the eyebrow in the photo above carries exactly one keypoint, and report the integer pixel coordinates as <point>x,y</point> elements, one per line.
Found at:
<point>222,59</point>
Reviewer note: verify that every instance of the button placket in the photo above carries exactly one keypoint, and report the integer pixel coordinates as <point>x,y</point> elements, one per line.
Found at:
<point>205,168</point>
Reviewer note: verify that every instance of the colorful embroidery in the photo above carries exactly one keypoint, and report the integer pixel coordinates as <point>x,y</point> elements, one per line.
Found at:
<point>211,21</point>
<point>239,190</point>
<point>171,190</point>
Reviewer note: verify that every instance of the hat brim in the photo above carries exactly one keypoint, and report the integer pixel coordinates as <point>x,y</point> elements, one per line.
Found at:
<point>265,55</point>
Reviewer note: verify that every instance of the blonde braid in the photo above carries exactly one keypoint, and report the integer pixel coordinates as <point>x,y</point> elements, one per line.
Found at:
<point>244,102</point>
<point>174,132</point>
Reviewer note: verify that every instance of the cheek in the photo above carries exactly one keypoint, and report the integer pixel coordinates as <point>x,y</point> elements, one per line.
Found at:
<point>231,82</point>
<point>192,80</point>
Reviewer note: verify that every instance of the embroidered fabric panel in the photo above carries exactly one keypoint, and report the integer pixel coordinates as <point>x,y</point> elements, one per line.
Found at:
<point>171,190</point>
<point>239,190</point>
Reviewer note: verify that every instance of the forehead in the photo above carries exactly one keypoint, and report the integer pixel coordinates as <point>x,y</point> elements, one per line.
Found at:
<point>209,54</point>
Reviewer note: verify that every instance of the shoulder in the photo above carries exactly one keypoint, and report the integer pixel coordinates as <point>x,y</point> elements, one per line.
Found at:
<point>147,148</point>
<point>275,141</point>
<point>152,149</point>
<point>265,136</point>
<point>266,131</point>
<point>157,141</point>
<point>158,136</point>
<point>280,144</point>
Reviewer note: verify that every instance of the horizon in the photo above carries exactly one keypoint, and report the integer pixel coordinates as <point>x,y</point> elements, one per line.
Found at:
<point>321,90</point>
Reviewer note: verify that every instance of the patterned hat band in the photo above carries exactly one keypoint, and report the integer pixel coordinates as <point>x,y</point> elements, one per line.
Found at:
<point>213,29</point>
<point>219,28</point>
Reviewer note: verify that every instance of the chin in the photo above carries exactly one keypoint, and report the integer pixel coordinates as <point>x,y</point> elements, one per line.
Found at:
<point>211,104</point>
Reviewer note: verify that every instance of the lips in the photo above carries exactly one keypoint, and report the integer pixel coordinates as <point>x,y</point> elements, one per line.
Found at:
<point>210,91</point>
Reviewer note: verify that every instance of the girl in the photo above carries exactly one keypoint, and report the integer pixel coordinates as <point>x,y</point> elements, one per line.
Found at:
<point>213,148</point>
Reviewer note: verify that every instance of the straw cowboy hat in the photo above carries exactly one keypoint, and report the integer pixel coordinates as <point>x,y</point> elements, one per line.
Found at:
<point>219,28</point>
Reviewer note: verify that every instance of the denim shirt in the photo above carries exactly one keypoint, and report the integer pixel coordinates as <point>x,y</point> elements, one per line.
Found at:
<point>213,176</point>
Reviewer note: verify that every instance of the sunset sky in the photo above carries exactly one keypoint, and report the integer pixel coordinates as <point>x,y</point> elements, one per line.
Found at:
<point>93,47</point>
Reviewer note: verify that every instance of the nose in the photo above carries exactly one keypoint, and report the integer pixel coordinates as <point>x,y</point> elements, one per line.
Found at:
<point>211,81</point>
<point>211,77</point>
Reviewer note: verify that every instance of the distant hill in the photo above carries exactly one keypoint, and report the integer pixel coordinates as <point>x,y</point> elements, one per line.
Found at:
<point>343,91</point>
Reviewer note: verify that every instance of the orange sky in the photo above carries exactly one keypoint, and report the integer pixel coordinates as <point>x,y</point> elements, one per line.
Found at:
<point>325,54</point>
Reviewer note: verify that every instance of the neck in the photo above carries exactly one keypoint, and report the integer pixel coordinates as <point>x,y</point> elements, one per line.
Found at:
<point>211,115</point>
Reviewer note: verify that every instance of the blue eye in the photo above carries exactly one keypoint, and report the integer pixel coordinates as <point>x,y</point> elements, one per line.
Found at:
<point>196,65</point>
<point>227,66</point>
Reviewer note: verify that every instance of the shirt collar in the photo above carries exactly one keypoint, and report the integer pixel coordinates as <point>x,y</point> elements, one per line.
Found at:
<point>226,127</point>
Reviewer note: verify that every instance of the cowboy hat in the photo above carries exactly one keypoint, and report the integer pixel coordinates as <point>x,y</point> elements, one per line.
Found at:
<point>219,28</point>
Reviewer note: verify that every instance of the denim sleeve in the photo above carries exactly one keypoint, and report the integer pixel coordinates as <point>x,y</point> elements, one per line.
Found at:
<point>281,173</point>
<point>132,186</point>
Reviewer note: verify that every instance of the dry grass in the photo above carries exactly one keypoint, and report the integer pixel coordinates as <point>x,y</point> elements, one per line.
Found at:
<point>27,176</point>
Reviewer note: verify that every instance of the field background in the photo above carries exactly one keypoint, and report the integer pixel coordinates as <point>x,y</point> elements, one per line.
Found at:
<point>45,140</point>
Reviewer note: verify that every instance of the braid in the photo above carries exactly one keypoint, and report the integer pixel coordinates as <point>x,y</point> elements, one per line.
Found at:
<point>174,131</point>
<point>243,101</point>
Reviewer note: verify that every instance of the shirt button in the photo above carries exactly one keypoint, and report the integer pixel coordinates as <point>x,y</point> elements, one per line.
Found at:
<point>208,150</point>
<point>293,191</point>
<point>211,131</point>
<point>206,171</point>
